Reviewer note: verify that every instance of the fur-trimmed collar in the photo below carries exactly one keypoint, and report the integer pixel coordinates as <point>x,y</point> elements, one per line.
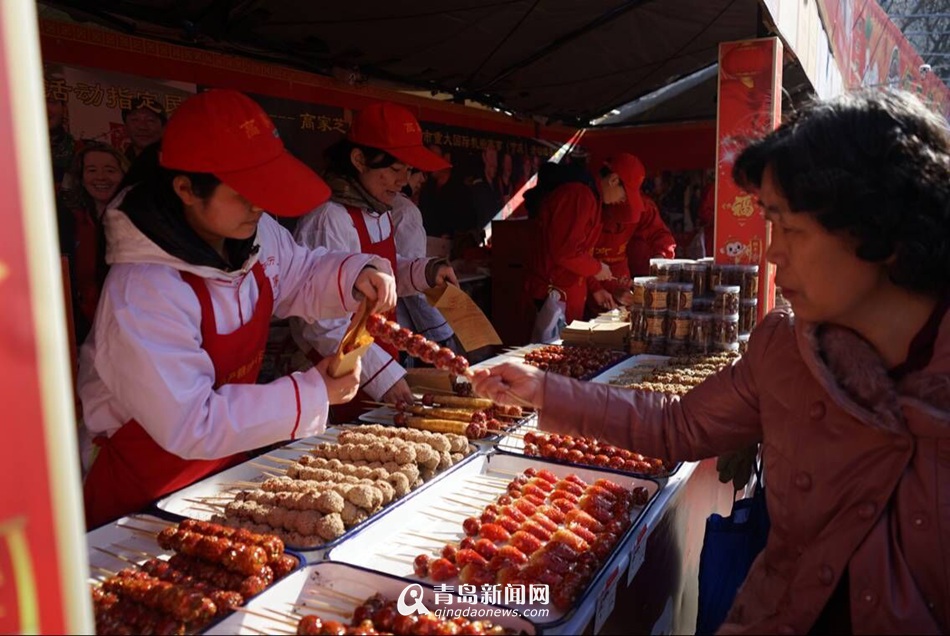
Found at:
<point>856,378</point>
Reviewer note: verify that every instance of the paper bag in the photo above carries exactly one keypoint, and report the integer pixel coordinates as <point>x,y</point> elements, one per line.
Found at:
<point>427,380</point>
<point>471,327</point>
<point>356,341</point>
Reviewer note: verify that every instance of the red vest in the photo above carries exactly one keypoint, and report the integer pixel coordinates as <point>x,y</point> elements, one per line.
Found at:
<point>131,469</point>
<point>386,248</point>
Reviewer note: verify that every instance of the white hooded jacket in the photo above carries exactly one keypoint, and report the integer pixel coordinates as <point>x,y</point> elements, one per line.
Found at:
<point>143,358</point>
<point>330,226</point>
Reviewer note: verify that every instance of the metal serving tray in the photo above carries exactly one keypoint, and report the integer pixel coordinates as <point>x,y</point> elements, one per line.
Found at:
<point>422,525</point>
<point>514,445</point>
<point>333,591</point>
<point>187,501</point>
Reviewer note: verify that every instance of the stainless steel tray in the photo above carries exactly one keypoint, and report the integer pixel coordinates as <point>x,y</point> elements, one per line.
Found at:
<point>333,590</point>
<point>421,525</point>
<point>187,501</point>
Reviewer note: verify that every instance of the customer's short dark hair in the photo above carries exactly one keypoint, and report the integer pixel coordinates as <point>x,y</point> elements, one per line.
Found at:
<point>874,164</point>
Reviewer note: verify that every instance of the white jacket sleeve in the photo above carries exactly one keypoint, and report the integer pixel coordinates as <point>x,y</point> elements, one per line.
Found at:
<point>330,227</point>
<point>312,283</point>
<point>147,358</point>
<point>410,232</point>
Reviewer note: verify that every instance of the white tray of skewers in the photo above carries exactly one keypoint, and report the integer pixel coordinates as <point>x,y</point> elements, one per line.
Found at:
<point>530,441</point>
<point>506,520</point>
<point>151,575</point>
<point>631,370</point>
<point>476,418</point>
<point>316,491</point>
<point>327,597</point>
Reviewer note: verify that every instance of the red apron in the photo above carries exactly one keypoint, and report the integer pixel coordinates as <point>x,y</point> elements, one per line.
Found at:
<point>386,248</point>
<point>131,469</point>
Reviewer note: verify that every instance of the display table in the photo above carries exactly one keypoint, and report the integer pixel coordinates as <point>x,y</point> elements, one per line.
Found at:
<point>656,586</point>
<point>647,584</point>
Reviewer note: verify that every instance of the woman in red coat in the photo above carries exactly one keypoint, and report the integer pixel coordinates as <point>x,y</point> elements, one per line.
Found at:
<point>849,397</point>
<point>631,222</point>
<point>567,202</point>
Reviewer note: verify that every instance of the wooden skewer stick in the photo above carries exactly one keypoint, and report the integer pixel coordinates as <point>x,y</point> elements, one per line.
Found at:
<point>154,520</point>
<point>505,472</point>
<point>439,517</point>
<point>203,498</point>
<point>264,468</point>
<point>243,485</point>
<point>329,604</point>
<point>282,615</point>
<point>144,554</point>
<point>486,477</point>
<point>467,504</point>
<point>197,505</point>
<point>206,501</point>
<point>279,460</point>
<point>268,632</point>
<point>449,536</point>
<point>334,592</point>
<point>473,488</point>
<point>414,546</point>
<point>143,531</point>
<point>479,497</point>
<point>245,610</point>
<point>107,573</point>
<point>115,556</point>
<point>450,511</point>
<point>324,610</point>
<point>404,558</point>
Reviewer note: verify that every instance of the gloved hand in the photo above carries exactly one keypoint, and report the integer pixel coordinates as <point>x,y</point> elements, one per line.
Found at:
<point>737,466</point>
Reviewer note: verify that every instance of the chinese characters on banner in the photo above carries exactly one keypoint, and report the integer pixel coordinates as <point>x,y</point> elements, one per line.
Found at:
<point>306,129</point>
<point>94,100</point>
<point>750,81</point>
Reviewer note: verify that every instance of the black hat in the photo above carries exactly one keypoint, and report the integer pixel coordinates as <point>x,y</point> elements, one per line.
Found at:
<point>148,104</point>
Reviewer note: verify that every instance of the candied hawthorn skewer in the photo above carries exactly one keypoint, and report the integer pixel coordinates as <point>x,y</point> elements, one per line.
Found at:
<point>415,345</point>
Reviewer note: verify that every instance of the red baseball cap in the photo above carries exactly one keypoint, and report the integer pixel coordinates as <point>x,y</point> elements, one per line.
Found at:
<point>227,134</point>
<point>632,173</point>
<point>392,128</point>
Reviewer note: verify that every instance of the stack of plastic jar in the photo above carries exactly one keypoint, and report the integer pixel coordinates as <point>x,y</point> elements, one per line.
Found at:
<point>725,309</point>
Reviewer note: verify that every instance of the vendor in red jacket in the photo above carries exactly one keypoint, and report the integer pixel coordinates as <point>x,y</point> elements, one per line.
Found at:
<point>630,222</point>
<point>567,201</point>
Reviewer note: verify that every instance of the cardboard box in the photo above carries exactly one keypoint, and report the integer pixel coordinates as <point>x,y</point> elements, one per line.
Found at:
<point>608,335</point>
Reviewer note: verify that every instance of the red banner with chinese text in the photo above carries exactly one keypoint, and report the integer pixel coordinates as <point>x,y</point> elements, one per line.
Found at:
<point>750,83</point>
<point>42,561</point>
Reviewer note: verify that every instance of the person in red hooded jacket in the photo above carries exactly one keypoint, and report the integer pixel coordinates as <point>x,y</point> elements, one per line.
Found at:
<point>567,202</point>
<point>631,231</point>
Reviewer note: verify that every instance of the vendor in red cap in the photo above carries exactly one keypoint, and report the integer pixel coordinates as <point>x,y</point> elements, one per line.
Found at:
<point>197,271</point>
<point>632,221</point>
<point>366,172</point>
<point>567,202</point>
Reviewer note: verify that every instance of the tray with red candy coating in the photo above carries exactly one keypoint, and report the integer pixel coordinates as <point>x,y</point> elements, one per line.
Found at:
<point>420,540</point>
